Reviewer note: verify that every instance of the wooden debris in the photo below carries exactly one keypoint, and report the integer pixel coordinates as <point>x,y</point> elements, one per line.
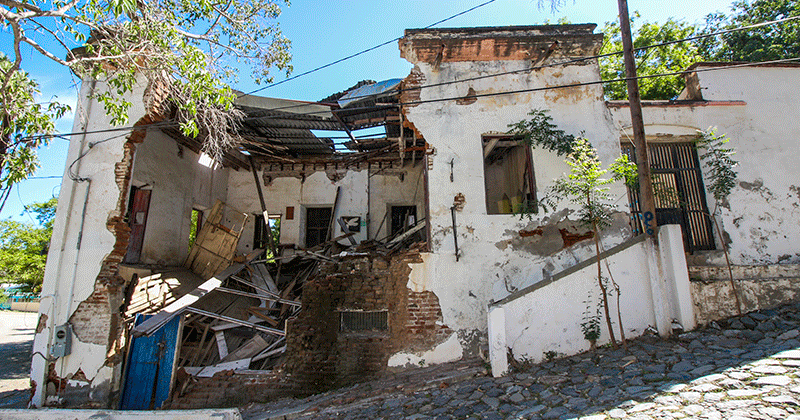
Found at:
<point>215,245</point>
<point>249,349</point>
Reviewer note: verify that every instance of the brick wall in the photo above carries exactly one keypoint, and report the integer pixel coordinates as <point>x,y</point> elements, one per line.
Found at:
<point>321,357</point>
<point>229,389</point>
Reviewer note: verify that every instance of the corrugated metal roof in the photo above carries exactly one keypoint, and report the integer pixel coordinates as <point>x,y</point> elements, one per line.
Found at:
<point>373,91</point>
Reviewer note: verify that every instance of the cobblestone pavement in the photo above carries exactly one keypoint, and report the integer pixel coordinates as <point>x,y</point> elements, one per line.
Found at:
<point>742,368</point>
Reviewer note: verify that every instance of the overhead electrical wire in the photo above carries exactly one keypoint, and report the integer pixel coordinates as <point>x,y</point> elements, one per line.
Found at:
<point>362,51</point>
<point>172,124</point>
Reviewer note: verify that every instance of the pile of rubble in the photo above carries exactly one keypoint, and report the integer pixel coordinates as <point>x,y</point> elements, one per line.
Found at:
<point>235,309</point>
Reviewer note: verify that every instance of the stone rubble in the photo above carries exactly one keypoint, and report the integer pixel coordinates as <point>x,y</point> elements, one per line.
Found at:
<point>741,368</point>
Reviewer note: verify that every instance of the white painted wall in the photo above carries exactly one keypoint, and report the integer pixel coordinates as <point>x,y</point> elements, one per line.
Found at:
<point>761,218</point>
<point>81,239</point>
<point>317,190</point>
<point>178,183</point>
<point>494,260</point>
<point>548,319</point>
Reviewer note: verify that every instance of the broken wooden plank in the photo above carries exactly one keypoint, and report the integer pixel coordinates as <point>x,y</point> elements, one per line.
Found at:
<point>271,296</point>
<point>258,313</point>
<point>209,371</point>
<point>406,234</point>
<point>265,353</point>
<point>222,345</point>
<point>250,348</point>
<point>165,315</point>
<point>344,227</point>
<point>237,321</point>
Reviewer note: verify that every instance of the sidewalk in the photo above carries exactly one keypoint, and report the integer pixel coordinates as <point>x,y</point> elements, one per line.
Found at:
<point>16,343</point>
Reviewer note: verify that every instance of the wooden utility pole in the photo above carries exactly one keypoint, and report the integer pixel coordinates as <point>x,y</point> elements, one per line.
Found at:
<point>646,200</point>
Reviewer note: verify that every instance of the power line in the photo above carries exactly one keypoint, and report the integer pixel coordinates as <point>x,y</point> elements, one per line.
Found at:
<point>363,51</point>
<point>580,59</point>
<point>571,61</point>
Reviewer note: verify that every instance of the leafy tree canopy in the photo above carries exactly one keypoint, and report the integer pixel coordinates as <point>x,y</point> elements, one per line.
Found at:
<point>20,117</point>
<point>770,42</point>
<point>24,246</point>
<point>651,61</point>
<point>190,48</point>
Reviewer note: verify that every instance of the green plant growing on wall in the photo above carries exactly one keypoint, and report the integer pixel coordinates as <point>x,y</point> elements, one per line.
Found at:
<point>588,187</point>
<point>539,131</point>
<point>591,321</point>
<point>717,158</point>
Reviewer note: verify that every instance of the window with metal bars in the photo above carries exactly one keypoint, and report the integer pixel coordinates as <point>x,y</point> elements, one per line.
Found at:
<point>363,321</point>
<point>679,193</point>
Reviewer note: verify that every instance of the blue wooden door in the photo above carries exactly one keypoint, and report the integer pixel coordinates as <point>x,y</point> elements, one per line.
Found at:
<point>149,371</point>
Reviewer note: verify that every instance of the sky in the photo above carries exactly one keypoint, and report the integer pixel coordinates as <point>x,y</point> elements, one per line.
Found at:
<point>323,31</point>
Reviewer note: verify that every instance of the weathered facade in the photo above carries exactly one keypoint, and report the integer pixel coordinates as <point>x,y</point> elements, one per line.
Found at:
<point>445,168</point>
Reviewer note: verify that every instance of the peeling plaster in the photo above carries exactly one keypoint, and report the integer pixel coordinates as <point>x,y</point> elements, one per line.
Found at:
<point>447,351</point>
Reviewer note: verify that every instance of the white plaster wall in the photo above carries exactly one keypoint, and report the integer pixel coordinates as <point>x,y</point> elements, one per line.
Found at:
<point>762,211</point>
<point>178,183</point>
<point>319,191</point>
<point>654,290</point>
<point>390,190</point>
<point>490,265</point>
<point>81,239</point>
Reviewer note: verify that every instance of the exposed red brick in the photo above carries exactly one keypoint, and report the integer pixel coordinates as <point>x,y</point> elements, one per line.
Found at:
<point>320,357</point>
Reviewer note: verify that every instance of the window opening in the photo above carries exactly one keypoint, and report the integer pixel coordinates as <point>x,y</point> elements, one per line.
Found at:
<point>318,221</point>
<point>403,217</point>
<point>360,321</point>
<point>508,175</point>
<point>194,227</point>
<point>260,239</point>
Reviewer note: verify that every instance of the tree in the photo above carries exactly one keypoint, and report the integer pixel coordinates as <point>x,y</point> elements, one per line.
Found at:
<point>20,117</point>
<point>652,61</point>
<point>24,246</point>
<point>189,48</point>
<point>770,42</point>
<point>586,187</point>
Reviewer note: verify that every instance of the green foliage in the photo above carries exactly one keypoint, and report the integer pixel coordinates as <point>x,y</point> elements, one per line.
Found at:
<point>21,117</point>
<point>193,227</point>
<point>719,163</point>
<point>189,48</point>
<point>540,131</point>
<point>591,320</point>
<point>765,43</point>
<point>585,186</point>
<point>664,59</point>
<point>24,246</point>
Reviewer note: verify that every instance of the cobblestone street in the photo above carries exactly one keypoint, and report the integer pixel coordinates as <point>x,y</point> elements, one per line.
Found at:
<point>741,368</point>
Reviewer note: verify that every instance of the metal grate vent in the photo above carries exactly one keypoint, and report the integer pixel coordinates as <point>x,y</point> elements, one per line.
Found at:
<point>364,321</point>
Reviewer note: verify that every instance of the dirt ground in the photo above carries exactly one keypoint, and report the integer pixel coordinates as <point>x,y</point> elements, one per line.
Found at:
<point>16,342</point>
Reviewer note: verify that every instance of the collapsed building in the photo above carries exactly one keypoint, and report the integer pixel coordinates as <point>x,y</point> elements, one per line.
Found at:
<point>303,261</point>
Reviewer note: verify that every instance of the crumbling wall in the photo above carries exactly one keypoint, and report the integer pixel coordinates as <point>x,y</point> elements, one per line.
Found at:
<point>229,389</point>
<point>321,355</point>
<point>82,286</point>
<point>178,183</point>
<point>759,287</point>
<point>751,106</point>
<point>500,253</point>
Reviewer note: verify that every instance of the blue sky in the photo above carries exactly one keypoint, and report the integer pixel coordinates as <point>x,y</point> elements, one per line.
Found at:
<point>325,31</point>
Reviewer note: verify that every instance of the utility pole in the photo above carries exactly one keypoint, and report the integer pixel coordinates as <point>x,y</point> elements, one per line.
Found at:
<point>646,200</point>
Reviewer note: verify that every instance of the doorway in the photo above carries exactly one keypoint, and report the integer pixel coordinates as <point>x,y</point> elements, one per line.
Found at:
<point>139,204</point>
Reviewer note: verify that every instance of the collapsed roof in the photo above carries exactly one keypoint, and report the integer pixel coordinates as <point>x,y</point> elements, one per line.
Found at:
<point>283,130</point>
